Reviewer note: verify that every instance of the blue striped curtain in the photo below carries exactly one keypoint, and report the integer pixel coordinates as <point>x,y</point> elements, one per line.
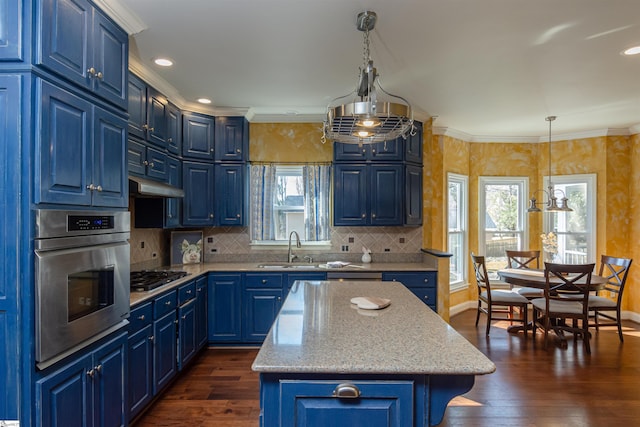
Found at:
<point>263,184</point>
<point>317,184</point>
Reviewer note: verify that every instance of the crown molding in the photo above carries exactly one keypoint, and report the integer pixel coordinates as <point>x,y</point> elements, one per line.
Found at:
<point>122,15</point>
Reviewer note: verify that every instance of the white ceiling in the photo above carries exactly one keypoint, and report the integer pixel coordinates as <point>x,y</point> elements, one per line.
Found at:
<point>486,69</point>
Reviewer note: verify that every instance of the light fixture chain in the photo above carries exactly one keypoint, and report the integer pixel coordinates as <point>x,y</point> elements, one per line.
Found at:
<point>366,50</point>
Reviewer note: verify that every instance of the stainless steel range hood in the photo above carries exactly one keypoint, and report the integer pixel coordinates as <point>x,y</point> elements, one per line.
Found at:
<point>142,187</point>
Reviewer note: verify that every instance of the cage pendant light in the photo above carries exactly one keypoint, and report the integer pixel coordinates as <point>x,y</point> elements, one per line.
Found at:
<point>551,204</point>
<point>369,114</point>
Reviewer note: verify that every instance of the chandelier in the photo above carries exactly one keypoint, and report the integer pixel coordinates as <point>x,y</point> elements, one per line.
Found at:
<point>551,204</point>
<point>369,114</point>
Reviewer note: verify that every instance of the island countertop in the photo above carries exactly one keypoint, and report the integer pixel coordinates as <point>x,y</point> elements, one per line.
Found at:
<point>318,330</point>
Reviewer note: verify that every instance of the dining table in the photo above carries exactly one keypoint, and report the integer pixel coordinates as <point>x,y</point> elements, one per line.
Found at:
<point>534,278</point>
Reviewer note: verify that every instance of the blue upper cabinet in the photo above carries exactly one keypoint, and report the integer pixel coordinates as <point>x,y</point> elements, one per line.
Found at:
<point>231,139</point>
<point>413,145</point>
<point>174,129</point>
<point>231,193</point>
<point>150,116</point>
<point>380,151</point>
<point>197,136</point>
<point>137,106</point>
<point>350,195</point>
<point>199,203</point>
<point>10,26</point>
<point>386,184</point>
<point>80,151</point>
<point>82,45</point>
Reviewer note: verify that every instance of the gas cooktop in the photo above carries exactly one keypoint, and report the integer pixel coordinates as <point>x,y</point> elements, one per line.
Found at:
<point>146,280</point>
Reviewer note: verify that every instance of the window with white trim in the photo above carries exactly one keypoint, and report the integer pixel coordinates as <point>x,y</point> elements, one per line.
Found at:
<point>457,226</point>
<point>575,231</point>
<point>502,218</point>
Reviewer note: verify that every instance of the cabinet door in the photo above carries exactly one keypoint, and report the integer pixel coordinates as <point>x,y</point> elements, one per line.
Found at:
<point>164,350</point>
<point>174,129</point>
<point>225,303</point>
<point>157,168</point>
<point>261,309</point>
<point>423,284</point>
<point>110,366</point>
<point>231,143</point>
<point>65,397</point>
<point>66,39</point>
<point>173,204</point>
<point>198,203</point>
<point>413,195</point>
<point>156,118</point>
<point>201,311</point>
<point>110,60</point>
<point>186,333</point>
<point>136,157</point>
<point>350,194</point>
<point>109,159</point>
<point>11,48</point>
<point>349,152</point>
<point>197,136</point>
<point>386,151</point>
<point>230,191</point>
<point>137,106</point>
<point>63,153</point>
<point>140,379</point>
<point>413,145</point>
<point>318,403</point>
<point>386,194</point>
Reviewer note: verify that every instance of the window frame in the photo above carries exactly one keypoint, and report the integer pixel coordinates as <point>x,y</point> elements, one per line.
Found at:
<point>462,213</point>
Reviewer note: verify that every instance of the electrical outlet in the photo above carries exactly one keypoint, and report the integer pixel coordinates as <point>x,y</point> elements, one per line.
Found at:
<point>351,240</point>
<point>401,240</point>
<point>141,245</point>
<point>209,239</point>
<point>212,250</point>
<point>154,254</point>
<point>387,250</point>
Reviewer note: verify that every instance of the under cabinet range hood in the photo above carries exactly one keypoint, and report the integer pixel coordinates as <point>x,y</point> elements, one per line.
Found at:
<point>142,187</point>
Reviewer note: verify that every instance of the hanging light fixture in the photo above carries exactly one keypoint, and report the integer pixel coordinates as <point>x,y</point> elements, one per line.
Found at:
<point>551,204</point>
<point>363,116</point>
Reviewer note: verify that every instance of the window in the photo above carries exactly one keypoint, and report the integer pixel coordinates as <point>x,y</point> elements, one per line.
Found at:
<point>457,229</point>
<point>576,231</point>
<point>287,198</point>
<point>502,219</point>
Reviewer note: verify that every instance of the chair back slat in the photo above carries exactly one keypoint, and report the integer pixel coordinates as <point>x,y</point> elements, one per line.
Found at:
<point>523,259</point>
<point>568,281</point>
<point>480,268</point>
<point>615,270</point>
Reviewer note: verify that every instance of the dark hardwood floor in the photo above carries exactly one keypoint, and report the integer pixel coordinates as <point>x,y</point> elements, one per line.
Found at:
<point>531,387</point>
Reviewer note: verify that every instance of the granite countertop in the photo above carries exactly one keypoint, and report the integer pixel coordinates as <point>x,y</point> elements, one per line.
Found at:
<point>319,331</point>
<point>195,270</point>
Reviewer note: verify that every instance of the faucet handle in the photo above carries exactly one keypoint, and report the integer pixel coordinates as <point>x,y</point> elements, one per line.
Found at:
<point>308,258</point>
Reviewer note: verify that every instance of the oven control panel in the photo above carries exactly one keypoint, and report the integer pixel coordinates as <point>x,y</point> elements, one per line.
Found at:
<point>89,222</point>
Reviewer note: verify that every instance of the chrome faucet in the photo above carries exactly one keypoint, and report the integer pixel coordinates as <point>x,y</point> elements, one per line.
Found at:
<point>291,256</point>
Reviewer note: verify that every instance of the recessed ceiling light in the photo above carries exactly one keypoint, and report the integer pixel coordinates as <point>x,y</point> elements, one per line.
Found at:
<point>163,62</point>
<point>632,50</point>
<point>204,100</point>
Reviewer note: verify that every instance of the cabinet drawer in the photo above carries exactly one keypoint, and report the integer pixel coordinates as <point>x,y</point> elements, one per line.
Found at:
<point>392,401</point>
<point>263,281</point>
<point>164,304</point>
<point>426,279</point>
<point>186,292</point>
<point>141,316</point>
<point>427,295</point>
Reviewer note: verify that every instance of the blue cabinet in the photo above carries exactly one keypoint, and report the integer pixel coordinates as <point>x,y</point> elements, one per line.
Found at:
<point>147,161</point>
<point>413,145</point>
<point>198,205</point>
<point>82,45</point>
<point>87,391</point>
<point>151,117</point>
<point>80,151</point>
<point>174,129</point>
<point>11,48</point>
<point>140,378</point>
<point>310,403</point>
<point>164,344</point>
<point>186,323</point>
<point>423,284</point>
<point>368,194</point>
<point>225,307</point>
<point>197,136</point>
<point>202,312</point>
<point>231,193</point>
<point>413,195</point>
<point>380,151</point>
<point>262,299</point>
<point>231,139</point>
<point>173,205</point>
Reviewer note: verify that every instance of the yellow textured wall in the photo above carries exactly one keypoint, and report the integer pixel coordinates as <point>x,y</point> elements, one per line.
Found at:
<point>632,292</point>
<point>288,143</point>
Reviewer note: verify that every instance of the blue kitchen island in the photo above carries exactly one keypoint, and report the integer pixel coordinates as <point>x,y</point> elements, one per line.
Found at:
<point>326,362</point>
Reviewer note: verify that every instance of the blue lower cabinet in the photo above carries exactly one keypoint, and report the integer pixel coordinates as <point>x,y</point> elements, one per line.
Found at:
<point>186,333</point>
<point>164,351</point>
<point>202,291</point>
<point>335,403</point>
<point>261,309</point>
<point>423,284</point>
<point>140,370</point>
<point>225,308</point>
<point>90,390</point>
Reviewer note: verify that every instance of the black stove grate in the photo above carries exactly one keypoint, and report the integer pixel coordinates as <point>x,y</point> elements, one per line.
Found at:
<point>146,280</point>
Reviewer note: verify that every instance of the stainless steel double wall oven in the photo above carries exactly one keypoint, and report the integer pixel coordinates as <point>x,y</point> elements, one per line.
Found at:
<point>82,265</point>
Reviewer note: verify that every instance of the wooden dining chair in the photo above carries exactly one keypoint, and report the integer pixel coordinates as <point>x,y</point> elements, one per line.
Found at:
<point>607,301</point>
<point>525,259</point>
<point>566,296</point>
<point>493,302</point>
